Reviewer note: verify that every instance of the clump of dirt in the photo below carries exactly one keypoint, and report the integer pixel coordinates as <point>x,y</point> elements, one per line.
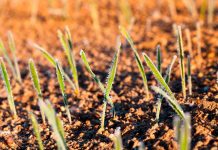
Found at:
<point>134,113</point>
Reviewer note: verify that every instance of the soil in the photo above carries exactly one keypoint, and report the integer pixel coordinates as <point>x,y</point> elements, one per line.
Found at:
<point>134,113</point>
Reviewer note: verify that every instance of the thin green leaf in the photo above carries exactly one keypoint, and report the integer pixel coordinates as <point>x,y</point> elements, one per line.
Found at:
<point>88,68</point>
<point>117,139</point>
<point>189,76</point>
<point>52,61</point>
<point>36,130</point>
<point>55,122</point>
<point>125,33</point>
<point>13,51</point>
<point>159,58</point>
<point>67,45</point>
<point>171,100</point>
<point>60,77</point>
<point>7,84</point>
<point>34,77</point>
<point>6,56</point>
<point>181,56</point>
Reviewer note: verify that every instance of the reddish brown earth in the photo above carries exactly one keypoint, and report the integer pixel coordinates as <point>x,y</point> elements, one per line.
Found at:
<point>134,113</point>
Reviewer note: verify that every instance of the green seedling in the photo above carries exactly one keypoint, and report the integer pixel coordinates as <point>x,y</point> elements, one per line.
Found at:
<point>210,15</point>
<point>93,5</point>
<point>12,46</point>
<point>55,123</point>
<point>110,81</point>
<point>137,58</point>
<point>53,63</point>
<point>60,77</point>
<point>159,59</point>
<point>35,80</point>
<point>67,45</point>
<point>181,60</point>
<point>36,130</point>
<point>6,56</point>
<point>117,139</point>
<point>167,80</point>
<point>183,131</point>
<point>169,96</point>
<point>7,84</point>
<point>126,13</point>
<point>189,42</point>
<point>189,76</point>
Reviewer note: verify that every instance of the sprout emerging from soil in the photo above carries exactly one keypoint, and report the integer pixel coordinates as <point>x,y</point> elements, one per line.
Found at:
<point>126,13</point>
<point>36,130</point>
<point>137,58</point>
<point>55,123</point>
<point>167,80</point>
<point>189,76</point>
<point>35,80</point>
<point>169,95</point>
<point>60,77</point>
<point>52,61</point>
<point>110,81</point>
<point>189,42</point>
<point>181,60</point>
<point>117,139</point>
<point>12,46</point>
<point>7,84</point>
<point>203,10</point>
<point>67,45</point>
<point>183,131</point>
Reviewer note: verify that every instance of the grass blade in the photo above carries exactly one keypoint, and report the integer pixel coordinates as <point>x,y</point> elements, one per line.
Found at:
<point>34,77</point>
<point>6,56</point>
<point>167,80</point>
<point>67,45</point>
<point>138,60</point>
<point>189,76</point>
<point>13,51</point>
<point>181,61</point>
<point>117,139</point>
<point>55,123</point>
<point>172,101</point>
<point>7,84</point>
<point>52,61</point>
<point>159,59</point>
<point>88,68</point>
<point>60,78</point>
<point>36,130</point>
<point>35,80</point>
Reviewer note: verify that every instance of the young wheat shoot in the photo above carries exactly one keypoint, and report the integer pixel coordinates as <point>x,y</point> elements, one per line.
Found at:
<point>159,59</point>
<point>60,78</point>
<point>183,131</point>
<point>137,58</point>
<point>67,45</point>
<point>117,139</point>
<point>126,13</point>
<point>181,60</point>
<point>167,80</point>
<point>12,46</point>
<point>36,130</point>
<point>189,42</point>
<point>35,80</point>
<point>169,96</point>
<point>6,56</point>
<point>110,80</point>
<point>55,123</point>
<point>7,84</point>
<point>189,76</point>
<point>53,63</point>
